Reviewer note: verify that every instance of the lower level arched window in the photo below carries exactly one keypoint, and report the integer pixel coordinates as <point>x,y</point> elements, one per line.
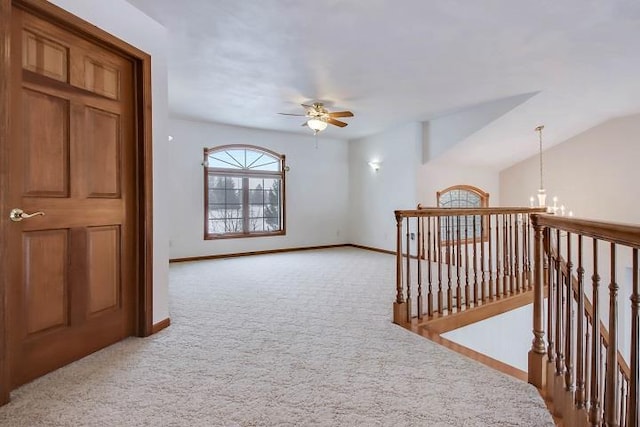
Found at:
<point>462,227</point>
<point>244,192</point>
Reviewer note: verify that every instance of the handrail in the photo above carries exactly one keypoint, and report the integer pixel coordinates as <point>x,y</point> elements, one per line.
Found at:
<point>612,232</point>
<point>434,211</point>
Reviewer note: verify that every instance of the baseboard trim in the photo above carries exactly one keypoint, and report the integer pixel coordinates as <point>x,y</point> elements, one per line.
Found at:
<point>266,252</point>
<point>382,251</point>
<point>370,248</point>
<point>157,327</point>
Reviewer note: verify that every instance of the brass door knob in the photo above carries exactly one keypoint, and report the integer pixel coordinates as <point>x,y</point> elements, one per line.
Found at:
<point>18,215</point>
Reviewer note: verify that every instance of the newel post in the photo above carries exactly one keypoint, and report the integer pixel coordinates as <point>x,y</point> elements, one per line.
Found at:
<point>399,306</point>
<point>538,354</point>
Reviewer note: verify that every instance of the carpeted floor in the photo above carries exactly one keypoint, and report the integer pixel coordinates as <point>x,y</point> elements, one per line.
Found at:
<point>296,339</point>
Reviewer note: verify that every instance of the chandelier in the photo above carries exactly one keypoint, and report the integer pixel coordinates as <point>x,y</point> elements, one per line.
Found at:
<point>542,193</point>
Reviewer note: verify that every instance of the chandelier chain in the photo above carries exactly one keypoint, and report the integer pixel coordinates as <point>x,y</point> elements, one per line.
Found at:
<point>539,130</point>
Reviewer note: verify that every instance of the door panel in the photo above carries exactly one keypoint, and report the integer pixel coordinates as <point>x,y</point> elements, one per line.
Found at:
<point>45,138</point>
<point>103,261</point>
<point>45,280</point>
<point>73,270</point>
<point>103,154</point>
<point>44,56</point>
<point>100,78</point>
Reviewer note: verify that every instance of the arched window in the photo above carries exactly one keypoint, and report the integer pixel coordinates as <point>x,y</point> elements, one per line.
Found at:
<point>462,196</point>
<point>244,192</point>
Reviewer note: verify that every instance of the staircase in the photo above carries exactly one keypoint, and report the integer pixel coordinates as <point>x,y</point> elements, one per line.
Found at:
<point>457,266</point>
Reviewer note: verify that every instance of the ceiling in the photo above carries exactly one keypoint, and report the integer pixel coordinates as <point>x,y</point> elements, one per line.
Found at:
<point>394,62</point>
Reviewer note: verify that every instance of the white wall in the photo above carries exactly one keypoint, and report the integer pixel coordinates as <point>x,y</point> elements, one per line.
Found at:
<point>316,188</point>
<point>595,174</point>
<point>435,176</point>
<point>510,346</point>
<point>124,21</point>
<point>442,133</point>
<point>375,195</point>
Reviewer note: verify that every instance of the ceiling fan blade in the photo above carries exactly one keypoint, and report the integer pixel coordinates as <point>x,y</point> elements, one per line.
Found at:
<point>290,114</point>
<point>307,106</point>
<point>336,122</point>
<point>341,114</point>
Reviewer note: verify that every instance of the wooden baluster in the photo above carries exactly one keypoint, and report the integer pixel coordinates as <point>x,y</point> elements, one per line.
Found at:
<point>467,290</point>
<point>580,334</point>
<point>623,399</point>
<point>516,252</point>
<point>420,244</point>
<point>560,304</point>
<point>568,345</point>
<point>611,383</point>
<point>551,314</point>
<point>505,256</point>
<point>436,223</point>
<point>399,311</point>
<point>633,413</point>
<point>587,363</point>
<point>498,259</point>
<point>458,262</point>
<point>483,267</point>
<point>526,269</point>
<point>595,413</point>
<point>536,360</point>
<point>509,219</point>
<point>603,366</point>
<point>523,251</point>
<point>440,301</point>
<point>529,231</point>
<point>529,250</point>
<point>408,270</point>
<point>475,265</point>
<point>449,249</point>
<point>508,266</point>
<point>512,255</point>
<point>492,290</point>
<point>430,235</point>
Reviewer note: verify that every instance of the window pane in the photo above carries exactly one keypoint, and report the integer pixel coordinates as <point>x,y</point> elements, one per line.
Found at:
<point>264,212</point>
<point>243,159</point>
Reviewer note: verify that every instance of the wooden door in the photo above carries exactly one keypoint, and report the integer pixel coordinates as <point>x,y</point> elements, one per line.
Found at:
<point>72,271</point>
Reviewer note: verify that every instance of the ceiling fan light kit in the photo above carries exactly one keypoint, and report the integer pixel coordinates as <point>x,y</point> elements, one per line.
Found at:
<point>319,117</point>
<point>317,125</point>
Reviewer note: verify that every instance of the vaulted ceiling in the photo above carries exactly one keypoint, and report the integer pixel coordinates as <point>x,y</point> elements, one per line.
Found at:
<point>396,61</point>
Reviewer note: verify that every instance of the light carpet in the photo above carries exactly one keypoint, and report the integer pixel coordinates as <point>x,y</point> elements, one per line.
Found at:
<point>296,339</point>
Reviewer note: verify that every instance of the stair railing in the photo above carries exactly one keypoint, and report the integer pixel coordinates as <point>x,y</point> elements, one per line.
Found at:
<point>449,260</point>
<point>580,366</point>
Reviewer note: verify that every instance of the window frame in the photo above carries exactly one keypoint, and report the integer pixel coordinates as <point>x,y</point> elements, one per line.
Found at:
<point>244,174</point>
<point>484,203</point>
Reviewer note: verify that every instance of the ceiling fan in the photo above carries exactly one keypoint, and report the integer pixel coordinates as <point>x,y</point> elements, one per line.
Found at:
<point>319,117</point>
